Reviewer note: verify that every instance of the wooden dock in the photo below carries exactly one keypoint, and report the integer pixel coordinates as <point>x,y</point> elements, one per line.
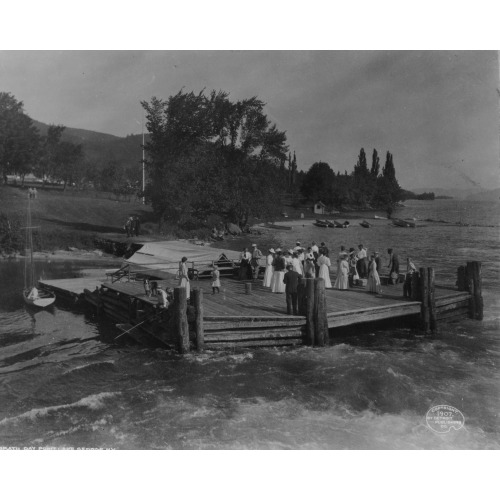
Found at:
<point>245,314</point>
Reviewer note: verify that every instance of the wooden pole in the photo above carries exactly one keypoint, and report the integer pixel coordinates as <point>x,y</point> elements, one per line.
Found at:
<point>180,317</point>
<point>320,319</point>
<point>424,297</point>
<point>478,290</point>
<point>301,296</point>
<point>432,300</point>
<point>310,311</point>
<point>469,274</point>
<point>461,279</point>
<point>248,288</point>
<point>415,286</point>
<point>198,307</point>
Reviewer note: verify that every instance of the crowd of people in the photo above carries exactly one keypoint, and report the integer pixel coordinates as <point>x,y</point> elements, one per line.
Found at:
<point>355,268</point>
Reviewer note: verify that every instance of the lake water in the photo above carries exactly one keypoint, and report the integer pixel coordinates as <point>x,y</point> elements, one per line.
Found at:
<point>64,381</point>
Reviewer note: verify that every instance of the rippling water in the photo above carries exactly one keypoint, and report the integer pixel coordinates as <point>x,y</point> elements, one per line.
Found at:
<point>64,381</point>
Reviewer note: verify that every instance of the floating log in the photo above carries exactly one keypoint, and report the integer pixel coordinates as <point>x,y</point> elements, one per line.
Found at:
<point>320,319</point>
<point>198,307</point>
<point>180,318</point>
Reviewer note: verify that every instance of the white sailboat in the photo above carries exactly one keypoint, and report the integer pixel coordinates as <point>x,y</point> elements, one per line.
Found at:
<point>31,294</point>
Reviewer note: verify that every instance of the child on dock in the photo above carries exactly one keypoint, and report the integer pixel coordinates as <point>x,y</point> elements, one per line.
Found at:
<point>147,287</point>
<point>215,279</point>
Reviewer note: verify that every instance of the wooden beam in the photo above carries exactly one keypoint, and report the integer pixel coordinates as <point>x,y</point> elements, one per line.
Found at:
<point>265,334</point>
<point>432,300</point>
<point>209,326</point>
<point>478,290</point>
<point>320,319</point>
<point>198,307</point>
<point>310,311</point>
<point>180,318</point>
<point>256,343</point>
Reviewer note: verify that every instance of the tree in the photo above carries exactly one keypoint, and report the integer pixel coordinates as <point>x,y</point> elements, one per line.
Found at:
<point>19,138</point>
<point>49,144</point>
<point>375,170</point>
<point>206,155</point>
<point>318,182</point>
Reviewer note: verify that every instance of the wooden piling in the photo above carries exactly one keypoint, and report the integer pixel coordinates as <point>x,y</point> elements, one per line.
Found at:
<point>415,286</point>
<point>248,288</point>
<point>469,274</point>
<point>180,317</point>
<point>320,318</point>
<point>477,292</point>
<point>432,300</point>
<point>301,296</point>
<point>424,297</point>
<point>461,279</point>
<point>198,308</point>
<point>310,311</point>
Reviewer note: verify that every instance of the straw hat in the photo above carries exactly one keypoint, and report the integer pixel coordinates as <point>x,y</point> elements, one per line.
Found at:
<point>254,244</point>
<point>271,250</point>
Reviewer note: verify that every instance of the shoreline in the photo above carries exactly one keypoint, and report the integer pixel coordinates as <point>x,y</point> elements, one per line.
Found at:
<point>96,256</point>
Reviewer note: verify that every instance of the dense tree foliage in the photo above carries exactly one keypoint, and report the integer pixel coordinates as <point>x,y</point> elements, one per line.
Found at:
<point>362,188</point>
<point>211,157</point>
<point>19,138</point>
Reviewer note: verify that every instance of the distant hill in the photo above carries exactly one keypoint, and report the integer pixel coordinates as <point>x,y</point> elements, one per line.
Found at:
<point>460,194</point>
<point>101,148</point>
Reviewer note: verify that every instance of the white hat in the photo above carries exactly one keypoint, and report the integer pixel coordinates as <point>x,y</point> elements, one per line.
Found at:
<point>254,244</point>
<point>271,250</point>
<point>298,243</point>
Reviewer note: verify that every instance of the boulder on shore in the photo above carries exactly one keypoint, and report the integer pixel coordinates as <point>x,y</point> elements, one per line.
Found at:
<point>233,229</point>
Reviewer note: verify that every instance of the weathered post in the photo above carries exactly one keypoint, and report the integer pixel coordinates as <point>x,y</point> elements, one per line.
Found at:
<point>461,279</point>
<point>301,296</point>
<point>469,274</point>
<point>198,308</point>
<point>424,297</point>
<point>310,311</point>
<point>415,286</point>
<point>432,300</point>
<point>180,318</point>
<point>320,319</point>
<point>248,288</point>
<point>478,290</point>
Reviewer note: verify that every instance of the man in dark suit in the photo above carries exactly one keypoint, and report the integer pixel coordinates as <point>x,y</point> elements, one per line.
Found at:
<point>291,280</point>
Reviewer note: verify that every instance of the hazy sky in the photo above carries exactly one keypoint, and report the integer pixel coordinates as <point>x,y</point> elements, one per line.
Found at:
<point>437,112</point>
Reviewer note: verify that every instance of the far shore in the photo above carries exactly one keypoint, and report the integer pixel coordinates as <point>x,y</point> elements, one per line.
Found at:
<point>95,256</point>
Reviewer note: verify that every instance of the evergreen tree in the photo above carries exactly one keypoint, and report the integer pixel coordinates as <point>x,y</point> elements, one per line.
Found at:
<point>375,170</point>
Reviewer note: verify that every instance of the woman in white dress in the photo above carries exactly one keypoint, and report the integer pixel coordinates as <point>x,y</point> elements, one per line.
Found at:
<point>324,269</point>
<point>183,276</point>
<point>297,265</point>
<point>342,281</point>
<point>373,285</point>
<point>268,275</point>
<point>277,285</point>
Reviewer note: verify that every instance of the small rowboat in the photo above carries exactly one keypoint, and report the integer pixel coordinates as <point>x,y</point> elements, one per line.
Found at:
<point>320,223</point>
<point>365,224</point>
<point>403,223</point>
<point>42,298</point>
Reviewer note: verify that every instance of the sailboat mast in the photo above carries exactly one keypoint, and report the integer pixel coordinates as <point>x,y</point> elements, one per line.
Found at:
<point>31,247</point>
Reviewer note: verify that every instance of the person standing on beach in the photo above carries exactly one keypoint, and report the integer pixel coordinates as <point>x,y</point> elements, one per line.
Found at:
<point>342,281</point>
<point>147,288</point>
<point>255,261</point>
<point>309,267</point>
<point>323,247</point>
<point>215,279</point>
<point>291,282</point>
<point>324,268</point>
<point>137,225</point>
